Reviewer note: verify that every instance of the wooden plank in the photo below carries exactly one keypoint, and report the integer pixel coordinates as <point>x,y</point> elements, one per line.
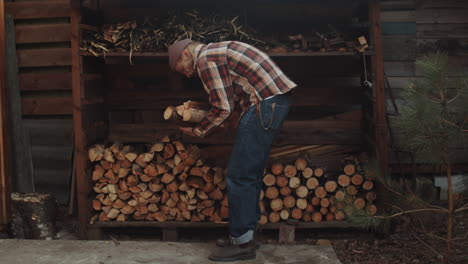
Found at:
<point>399,69</point>
<point>44,57</point>
<point>22,166</point>
<point>398,5</point>
<point>443,4</point>
<point>38,9</point>
<point>453,47</point>
<point>399,48</point>
<point>398,16</point>
<point>50,132</point>
<point>5,187</point>
<point>442,31</point>
<point>399,28</point>
<point>441,16</point>
<point>42,33</point>
<point>45,81</point>
<point>456,68</point>
<point>176,224</point>
<point>46,106</point>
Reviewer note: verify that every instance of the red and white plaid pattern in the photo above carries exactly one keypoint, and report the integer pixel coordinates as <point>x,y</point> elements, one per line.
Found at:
<point>233,71</point>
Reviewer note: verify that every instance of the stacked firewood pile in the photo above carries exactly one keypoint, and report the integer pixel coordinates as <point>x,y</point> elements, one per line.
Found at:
<point>299,191</point>
<point>169,181</point>
<point>156,34</point>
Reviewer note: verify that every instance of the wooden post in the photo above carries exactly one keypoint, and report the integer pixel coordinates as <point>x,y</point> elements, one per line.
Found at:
<point>5,198</point>
<point>82,182</point>
<point>380,123</point>
<point>286,234</point>
<point>22,167</point>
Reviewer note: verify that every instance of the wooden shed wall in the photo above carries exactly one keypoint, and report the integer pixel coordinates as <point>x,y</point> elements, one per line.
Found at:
<point>43,43</point>
<point>43,48</point>
<point>410,29</point>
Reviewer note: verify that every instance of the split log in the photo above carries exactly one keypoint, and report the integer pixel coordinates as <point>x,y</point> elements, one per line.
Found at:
<point>330,186</point>
<point>294,182</point>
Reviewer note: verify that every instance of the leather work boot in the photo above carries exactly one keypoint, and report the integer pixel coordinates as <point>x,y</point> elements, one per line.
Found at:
<point>224,242</point>
<point>234,252</point>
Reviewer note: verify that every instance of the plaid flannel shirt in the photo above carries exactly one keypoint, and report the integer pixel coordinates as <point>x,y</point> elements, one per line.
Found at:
<point>234,72</point>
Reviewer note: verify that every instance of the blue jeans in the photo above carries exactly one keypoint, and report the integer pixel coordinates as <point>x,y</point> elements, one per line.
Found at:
<point>256,132</point>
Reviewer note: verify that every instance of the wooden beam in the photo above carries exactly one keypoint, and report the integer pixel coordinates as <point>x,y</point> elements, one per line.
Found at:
<point>22,166</point>
<point>378,87</point>
<point>83,185</point>
<point>5,198</point>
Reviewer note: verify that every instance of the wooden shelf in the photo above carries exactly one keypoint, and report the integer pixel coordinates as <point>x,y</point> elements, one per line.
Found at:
<point>124,57</point>
<point>175,224</point>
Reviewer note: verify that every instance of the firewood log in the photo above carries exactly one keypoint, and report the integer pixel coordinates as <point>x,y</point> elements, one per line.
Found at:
<point>269,179</point>
<point>285,191</point>
<point>277,168</point>
<point>294,182</point>
<point>290,171</point>
<point>343,180</point>
<point>330,186</point>
<point>324,202</point>
<point>312,183</point>
<point>317,217</point>
<point>274,217</point>
<point>284,214</point>
<point>307,173</point>
<point>368,185</point>
<point>318,172</point>
<point>371,209</point>
<point>296,213</point>
<point>339,215</point>
<point>300,164</point>
<point>320,192</point>
<point>357,179</point>
<point>263,220</point>
<point>349,169</point>
<point>301,204</point>
<point>359,203</point>
<point>271,192</point>
<point>302,191</point>
<point>276,204</point>
<point>282,181</point>
<point>289,201</point>
<point>315,201</point>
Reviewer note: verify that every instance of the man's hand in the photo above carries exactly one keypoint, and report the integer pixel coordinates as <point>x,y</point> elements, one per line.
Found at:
<point>187,131</point>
